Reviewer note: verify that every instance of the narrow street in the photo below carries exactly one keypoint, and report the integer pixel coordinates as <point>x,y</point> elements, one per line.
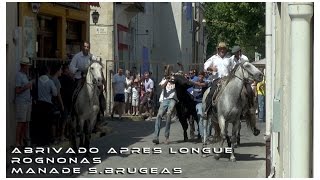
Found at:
<point>138,134</point>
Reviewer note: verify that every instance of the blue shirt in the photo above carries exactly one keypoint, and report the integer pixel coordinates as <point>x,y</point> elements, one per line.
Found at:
<point>194,79</point>
<point>198,93</point>
<point>46,89</point>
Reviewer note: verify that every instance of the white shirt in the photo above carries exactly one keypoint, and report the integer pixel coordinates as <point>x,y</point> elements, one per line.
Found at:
<point>169,92</point>
<point>128,88</point>
<point>148,85</point>
<point>224,65</point>
<point>80,63</point>
<point>135,93</point>
<point>237,61</point>
<point>119,83</point>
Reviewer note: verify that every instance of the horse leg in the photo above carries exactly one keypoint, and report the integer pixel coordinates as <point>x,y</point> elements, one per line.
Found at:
<point>235,131</point>
<point>87,136</point>
<point>238,135</point>
<point>81,132</point>
<point>223,130</point>
<point>252,118</point>
<point>203,126</point>
<point>217,132</point>
<point>73,133</point>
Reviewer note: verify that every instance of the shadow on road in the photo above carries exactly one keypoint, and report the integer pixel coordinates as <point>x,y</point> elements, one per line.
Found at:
<point>248,157</point>
<point>125,133</point>
<point>252,144</point>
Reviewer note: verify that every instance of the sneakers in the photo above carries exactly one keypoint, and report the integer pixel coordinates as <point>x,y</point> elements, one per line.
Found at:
<point>156,141</point>
<point>166,141</point>
<point>149,119</point>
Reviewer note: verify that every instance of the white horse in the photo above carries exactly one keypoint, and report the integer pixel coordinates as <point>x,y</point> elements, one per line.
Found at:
<point>86,106</point>
<point>231,103</point>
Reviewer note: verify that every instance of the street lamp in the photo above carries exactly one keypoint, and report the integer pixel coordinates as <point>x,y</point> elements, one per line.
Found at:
<point>204,22</point>
<point>95,17</point>
<point>35,7</point>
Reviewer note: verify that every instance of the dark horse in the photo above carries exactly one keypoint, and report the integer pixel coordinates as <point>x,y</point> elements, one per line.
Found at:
<point>186,105</point>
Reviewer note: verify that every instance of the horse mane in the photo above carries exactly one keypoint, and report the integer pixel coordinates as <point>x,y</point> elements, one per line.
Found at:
<point>95,61</point>
<point>231,75</point>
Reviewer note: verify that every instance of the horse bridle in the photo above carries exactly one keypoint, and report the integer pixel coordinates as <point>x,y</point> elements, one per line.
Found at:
<point>242,79</point>
<point>94,81</point>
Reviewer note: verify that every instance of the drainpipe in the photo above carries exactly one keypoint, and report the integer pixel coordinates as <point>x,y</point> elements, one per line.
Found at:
<point>300,141</point>
<point>268,65</point>
<point>268,88</point>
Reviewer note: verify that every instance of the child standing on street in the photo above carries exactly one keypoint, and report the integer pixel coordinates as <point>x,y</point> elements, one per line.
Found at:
<point>135,97</point>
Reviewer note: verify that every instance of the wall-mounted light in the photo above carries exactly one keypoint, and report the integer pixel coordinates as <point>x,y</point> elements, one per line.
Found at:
<point>95,17</point>
<point>35,7</point>
<point>204,22</point>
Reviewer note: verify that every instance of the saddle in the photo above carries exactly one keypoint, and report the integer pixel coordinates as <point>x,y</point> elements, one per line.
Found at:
<point>211,98</point>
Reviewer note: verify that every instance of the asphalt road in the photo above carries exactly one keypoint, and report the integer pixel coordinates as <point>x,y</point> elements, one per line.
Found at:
<point>138,135</point>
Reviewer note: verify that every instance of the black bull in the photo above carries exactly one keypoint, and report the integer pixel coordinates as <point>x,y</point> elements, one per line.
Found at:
<point>186,105</point>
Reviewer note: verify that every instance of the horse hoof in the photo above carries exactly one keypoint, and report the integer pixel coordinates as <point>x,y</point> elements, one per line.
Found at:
<point>199,136</point>
<point>235,145</point>
<point>185,137</point>
<point>233,159</point>
<point>256,132</point>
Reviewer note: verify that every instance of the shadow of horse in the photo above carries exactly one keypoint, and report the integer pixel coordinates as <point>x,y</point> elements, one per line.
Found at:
<point>252,144</point>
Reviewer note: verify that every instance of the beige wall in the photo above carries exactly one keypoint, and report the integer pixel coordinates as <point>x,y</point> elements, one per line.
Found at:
<point>102,40</point>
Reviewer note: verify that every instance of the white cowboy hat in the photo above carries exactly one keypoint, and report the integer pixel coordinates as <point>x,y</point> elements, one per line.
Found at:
<point>25,61</point>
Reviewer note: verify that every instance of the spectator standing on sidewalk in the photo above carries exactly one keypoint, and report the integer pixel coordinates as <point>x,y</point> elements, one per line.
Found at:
<point>23,101</point>
<point>46,91</point>
<point>118,87</point>
<point>147,95</point>
<point>135,97</point>
<point>261,100</point>
<point>55,72</point>
<point>127,93</point>
<point>67,86</point>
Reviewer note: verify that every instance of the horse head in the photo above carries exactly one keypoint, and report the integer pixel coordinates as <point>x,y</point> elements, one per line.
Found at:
<point>94,73</point>
<point>248,72</point>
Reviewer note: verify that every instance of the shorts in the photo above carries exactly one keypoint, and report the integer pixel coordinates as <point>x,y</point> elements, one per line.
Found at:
<point>135,102</point>
<point>23,112</point>
<point>119,98</point>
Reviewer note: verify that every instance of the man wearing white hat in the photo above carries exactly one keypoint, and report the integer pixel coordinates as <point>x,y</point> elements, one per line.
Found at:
<point>219,66</point>
<point>23,101</point>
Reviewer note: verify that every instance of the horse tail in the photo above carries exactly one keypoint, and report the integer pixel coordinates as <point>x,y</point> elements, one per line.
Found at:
<point>250,119</point>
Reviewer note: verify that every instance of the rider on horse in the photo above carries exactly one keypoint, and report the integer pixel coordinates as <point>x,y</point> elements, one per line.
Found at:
<point>237,58</point>
<point>218,66</point>
<point>79,66</point>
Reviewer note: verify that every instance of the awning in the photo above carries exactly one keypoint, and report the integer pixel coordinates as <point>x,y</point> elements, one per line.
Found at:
<point>260,62</point>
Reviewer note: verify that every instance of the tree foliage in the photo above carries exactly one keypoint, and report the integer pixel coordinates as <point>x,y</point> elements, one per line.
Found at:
<point>236,24</point>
